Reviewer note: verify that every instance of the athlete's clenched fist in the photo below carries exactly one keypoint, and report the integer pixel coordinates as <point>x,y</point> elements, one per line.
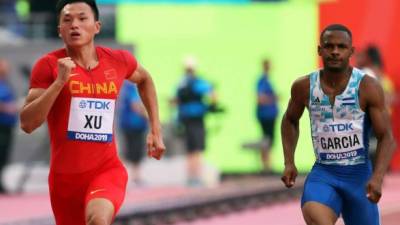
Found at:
<point>64,68</point>
<point>155,146</point>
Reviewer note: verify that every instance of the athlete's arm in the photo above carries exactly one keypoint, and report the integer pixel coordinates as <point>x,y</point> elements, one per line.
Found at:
<point>148,95</point>
<point>372,94</point>
<point>39,100</point>
<point>290,127</point>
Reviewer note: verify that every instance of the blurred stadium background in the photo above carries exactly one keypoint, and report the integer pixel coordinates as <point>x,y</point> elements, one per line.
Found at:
<point>229,38</point>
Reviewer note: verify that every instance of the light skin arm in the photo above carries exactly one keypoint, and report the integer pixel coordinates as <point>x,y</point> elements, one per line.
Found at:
<point>39,101</point>
<point>147,91</point>
<point>290,127</point>
<point>372,94</point>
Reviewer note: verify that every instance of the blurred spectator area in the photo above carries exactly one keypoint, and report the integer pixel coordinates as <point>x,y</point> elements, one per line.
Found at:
<point>37,19</point>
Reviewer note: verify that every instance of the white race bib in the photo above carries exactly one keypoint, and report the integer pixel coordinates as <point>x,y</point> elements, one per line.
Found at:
<point>91,119</point>
<point>336,141</point>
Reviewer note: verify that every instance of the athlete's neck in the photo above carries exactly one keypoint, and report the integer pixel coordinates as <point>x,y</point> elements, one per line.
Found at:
<point>336,79</point>
<point>84,56</point>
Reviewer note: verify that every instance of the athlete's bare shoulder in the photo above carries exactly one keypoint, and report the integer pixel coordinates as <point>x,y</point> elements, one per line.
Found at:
<point>369,83</point>
<point>302,82</point>
<point>300,91</point>
<point>371,92</point>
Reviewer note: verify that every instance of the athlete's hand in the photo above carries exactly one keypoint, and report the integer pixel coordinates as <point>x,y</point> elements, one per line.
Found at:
<point>374,190</point>
<point>289,175</point>
<point>155,146</point>
<point>64,69</point>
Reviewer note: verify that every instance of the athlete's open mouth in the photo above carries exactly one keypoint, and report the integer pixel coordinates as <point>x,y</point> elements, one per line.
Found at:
<point>75,34</point>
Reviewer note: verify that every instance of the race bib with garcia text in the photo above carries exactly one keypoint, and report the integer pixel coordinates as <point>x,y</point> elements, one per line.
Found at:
<point>91,119</point>
<point>338,141</point>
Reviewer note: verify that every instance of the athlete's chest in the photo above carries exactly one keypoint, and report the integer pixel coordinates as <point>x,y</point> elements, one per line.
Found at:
<point>103,81</point>
<point>335,104</point>
<point>90,98</point>
<point>344,107</point>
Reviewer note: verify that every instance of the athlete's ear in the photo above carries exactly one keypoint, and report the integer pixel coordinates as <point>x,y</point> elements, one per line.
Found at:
<point>352,50</point>
<point>319,50</point>
<point>98,27</point>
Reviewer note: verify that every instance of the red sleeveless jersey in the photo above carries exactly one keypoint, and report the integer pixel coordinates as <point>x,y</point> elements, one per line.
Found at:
<point>81,120</point>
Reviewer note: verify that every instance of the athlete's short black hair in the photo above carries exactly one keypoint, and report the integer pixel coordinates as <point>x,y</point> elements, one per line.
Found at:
<point>92,3</point>
<point>338,27</point>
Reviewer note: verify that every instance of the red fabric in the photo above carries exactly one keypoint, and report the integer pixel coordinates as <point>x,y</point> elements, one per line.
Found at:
<point>70,193</point>
<point>372,22</point>
<point>72,156</point>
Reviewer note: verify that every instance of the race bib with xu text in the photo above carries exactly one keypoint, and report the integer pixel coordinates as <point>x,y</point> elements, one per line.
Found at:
<point>91,119</point>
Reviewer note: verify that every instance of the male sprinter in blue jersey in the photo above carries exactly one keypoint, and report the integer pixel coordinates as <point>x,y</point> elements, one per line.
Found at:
<point>343,104</point>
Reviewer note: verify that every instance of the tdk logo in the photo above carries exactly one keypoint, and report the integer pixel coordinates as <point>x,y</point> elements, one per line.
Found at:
<point>338,127</point>
<point>82,104</point>
<point>90,104</point>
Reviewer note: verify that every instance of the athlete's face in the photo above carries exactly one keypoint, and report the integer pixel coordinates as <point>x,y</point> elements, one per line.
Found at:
<point>77,24</point>
<point>335,50</point>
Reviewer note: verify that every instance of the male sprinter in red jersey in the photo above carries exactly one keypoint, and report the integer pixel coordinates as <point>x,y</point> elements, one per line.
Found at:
<point>75,88</point>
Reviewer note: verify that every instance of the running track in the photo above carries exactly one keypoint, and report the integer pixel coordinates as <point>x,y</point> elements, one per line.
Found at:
<point>288,213</point>
<point>12,208</point>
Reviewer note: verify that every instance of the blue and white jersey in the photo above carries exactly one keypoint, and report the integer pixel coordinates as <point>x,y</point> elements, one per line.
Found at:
<point>340,131</point>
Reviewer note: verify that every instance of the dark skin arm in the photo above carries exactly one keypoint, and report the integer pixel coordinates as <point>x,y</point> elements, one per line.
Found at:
<point>372,101</point>
<point>290,127</point>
